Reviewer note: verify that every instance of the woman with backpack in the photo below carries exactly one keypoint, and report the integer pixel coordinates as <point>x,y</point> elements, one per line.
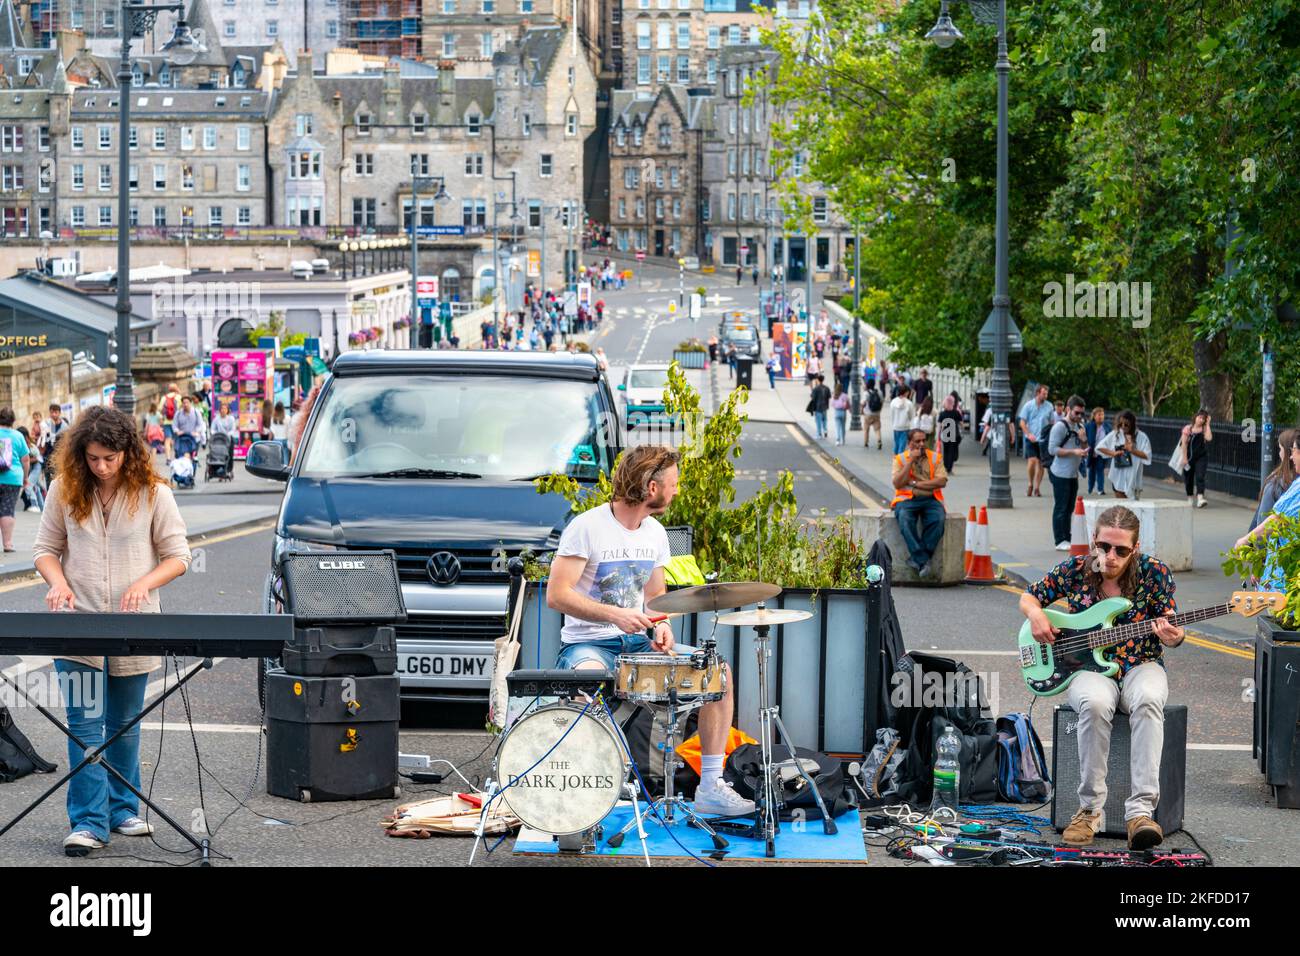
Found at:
<point>110,537</point>
<point>950,431</point>
<point>13,473</point>
<point>840,403</point>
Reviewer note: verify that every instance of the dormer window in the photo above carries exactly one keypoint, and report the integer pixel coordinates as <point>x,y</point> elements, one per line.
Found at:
<point>419,122</point>
<point>363,124</point>
<point>473,124</point>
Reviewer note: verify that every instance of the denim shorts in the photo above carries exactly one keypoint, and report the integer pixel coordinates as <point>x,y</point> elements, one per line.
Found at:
<point>606,651</point>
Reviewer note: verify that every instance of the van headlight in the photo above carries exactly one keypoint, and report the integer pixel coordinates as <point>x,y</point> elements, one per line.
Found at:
<point>284,543</point>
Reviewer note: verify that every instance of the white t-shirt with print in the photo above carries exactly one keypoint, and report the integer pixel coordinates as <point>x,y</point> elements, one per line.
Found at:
<point>619,563</point>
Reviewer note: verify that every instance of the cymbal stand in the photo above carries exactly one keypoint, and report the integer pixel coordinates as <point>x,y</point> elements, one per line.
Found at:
<point>767,823</point>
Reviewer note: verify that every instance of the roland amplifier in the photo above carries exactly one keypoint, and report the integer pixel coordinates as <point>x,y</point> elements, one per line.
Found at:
<point>342,587</point>
<point>1065,771</point>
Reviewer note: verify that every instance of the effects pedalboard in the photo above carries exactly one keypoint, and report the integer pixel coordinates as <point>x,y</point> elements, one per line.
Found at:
<point>1017,853</point>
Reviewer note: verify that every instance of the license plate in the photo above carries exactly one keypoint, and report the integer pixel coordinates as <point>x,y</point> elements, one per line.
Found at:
<point>445,665</point>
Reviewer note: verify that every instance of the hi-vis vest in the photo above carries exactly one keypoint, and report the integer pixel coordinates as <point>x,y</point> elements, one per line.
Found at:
<point>904,493</point>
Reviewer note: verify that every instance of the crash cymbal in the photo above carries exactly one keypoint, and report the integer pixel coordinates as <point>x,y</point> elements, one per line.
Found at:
<point>711,598</point>
<point>764,616</point>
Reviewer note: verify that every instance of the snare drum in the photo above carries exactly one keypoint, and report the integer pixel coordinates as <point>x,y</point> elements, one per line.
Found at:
<point>579,779</point>
<point>647,678</point>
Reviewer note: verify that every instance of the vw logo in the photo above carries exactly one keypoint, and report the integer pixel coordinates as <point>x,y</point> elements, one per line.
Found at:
<point>443,568</point>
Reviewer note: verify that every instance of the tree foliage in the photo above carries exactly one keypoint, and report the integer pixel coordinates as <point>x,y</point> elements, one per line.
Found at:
<point>1137,130</point>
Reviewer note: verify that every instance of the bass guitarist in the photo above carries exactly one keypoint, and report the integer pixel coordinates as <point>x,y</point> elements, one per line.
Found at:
<point>1115,568</point>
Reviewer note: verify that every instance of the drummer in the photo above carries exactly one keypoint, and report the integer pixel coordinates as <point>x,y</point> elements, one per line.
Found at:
<point>610,562</point>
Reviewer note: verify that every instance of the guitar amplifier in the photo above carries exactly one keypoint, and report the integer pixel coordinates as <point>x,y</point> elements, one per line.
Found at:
<point>1065,771</point>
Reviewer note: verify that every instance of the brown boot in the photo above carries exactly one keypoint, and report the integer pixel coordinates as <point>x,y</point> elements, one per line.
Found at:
<point>1144,833</point>
<point>1083,827</point>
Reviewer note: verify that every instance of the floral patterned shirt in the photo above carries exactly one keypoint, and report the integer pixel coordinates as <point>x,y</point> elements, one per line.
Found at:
<point>1153,597</point>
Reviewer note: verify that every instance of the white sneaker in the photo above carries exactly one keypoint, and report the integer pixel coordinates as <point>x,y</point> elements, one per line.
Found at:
<point>81,842</point>
<point>133,826</point>
<point>1200,501</point>
<point>35,508</point>
<point>1063,546</point>
<point>722,799</point>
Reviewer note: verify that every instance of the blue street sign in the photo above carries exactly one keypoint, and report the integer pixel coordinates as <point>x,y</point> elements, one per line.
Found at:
<point>312,346</point>
<point>428,232</point>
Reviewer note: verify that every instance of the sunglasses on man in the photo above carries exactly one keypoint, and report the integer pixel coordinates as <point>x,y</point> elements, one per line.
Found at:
<point>1121,550</point>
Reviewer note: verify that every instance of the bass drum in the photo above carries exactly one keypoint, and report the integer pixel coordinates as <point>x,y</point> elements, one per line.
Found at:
<point>563,770</point>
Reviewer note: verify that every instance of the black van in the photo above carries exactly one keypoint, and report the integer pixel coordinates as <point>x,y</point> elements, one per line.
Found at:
<point>433,454</point>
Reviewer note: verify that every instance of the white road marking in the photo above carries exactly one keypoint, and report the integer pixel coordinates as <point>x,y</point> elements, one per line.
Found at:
<point>1228,748</point>
<point>156,686</point>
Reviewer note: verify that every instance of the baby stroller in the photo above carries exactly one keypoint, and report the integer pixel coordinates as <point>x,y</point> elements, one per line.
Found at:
<point>183,472</point>
<point>221,458</point>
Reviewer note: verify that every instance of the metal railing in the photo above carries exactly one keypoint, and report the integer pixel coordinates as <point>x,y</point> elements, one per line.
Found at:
<point>1234,454</point>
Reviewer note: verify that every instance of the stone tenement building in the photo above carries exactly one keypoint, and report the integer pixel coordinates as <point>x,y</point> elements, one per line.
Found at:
<point>657,191</point>
<point>343,149</point>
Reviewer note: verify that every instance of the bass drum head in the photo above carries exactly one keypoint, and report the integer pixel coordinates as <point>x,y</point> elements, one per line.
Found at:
<point>576,785</point>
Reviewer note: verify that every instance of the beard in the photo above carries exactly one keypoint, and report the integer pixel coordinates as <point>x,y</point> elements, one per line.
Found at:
<point>658,504</point>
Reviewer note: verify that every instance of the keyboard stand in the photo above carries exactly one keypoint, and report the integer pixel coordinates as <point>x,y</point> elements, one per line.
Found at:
<point>203,845</point>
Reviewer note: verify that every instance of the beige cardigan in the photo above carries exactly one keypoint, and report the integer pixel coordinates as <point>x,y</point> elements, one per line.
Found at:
<point>101,562</point>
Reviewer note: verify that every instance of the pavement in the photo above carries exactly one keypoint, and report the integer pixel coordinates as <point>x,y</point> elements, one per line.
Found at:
<point>207,508</point>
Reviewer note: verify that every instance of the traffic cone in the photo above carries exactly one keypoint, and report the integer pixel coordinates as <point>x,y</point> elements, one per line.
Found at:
<point>981,565</point>
<point>1078,530</point>
<point>970,540</point>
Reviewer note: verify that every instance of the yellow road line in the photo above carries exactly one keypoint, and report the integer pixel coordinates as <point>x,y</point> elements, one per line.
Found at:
<point>858,494</point>
<point>35,579</point>
<point>1222,648</point>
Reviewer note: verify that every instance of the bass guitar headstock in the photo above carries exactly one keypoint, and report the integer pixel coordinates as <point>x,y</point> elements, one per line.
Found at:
<point>1250,603</point>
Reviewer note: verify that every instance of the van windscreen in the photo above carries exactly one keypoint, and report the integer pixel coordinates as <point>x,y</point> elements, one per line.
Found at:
<point>501,428</point>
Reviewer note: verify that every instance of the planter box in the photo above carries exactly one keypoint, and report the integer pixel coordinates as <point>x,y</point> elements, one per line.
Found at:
<point>1276,730</point>
<point>690,359</point>
<point>818,675</point>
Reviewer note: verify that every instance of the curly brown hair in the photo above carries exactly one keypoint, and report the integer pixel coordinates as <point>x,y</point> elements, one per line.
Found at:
<point>115,430</point>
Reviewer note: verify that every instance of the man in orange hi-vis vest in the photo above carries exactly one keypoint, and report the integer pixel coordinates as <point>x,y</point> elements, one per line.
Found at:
<point>919,479</point>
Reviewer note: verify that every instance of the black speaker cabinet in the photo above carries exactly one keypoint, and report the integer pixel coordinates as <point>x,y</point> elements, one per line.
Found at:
<point>342,587</point>
<point>1065,771</point>
<point>331,738</point>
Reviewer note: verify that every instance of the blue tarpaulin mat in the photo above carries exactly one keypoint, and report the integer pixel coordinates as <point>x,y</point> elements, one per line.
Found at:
<point>802,841</point>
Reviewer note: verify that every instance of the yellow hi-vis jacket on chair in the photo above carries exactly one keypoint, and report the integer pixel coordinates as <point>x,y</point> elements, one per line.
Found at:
<point>682,570</point>
<point>904,493</point>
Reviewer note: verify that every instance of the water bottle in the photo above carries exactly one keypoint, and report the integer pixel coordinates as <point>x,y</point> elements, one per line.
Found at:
<point>947,770</point>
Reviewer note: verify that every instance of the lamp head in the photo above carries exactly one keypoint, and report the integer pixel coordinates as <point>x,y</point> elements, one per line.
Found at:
<point>185,45</point>
<point>944,33</point>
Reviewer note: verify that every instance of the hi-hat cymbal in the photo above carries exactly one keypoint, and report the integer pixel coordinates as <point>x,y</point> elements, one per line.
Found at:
<point>769,617</point>
<point>711,598</point>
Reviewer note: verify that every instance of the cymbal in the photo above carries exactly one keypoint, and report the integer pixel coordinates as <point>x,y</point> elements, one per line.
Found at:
<point>764,617</point>
<point>713,597</point>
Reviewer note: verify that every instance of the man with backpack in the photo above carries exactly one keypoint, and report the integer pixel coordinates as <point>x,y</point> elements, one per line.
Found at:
<point>874,402</point>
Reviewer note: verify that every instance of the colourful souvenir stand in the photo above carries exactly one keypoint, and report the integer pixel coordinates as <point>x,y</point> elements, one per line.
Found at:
<point>245,376</point>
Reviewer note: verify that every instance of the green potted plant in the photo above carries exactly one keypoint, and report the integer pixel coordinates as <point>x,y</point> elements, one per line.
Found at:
<point>1273,554</point>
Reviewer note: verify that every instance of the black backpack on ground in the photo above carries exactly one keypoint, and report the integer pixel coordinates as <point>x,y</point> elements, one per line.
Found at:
<point>920,723</point>
<point>18,757</point>
<point>743,772</point>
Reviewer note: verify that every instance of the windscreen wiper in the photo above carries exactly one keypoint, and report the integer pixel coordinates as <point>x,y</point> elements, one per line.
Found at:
<point>420,473</point>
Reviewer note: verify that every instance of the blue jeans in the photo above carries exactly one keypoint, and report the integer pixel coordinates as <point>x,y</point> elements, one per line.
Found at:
<point>819,419</point>
<point>605,652</point>
<point>1097,474</point>
<point>98,801</point>
<point>840,419</point>
<point>900,440</point>
<point>771,378</point>
<point>931,514</point>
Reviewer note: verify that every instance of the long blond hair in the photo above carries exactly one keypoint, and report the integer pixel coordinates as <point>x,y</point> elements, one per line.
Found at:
<point>1116,516</point>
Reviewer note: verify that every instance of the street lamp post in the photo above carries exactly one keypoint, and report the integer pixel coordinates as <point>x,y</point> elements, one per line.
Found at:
<point>944,34</point>
<point>419,183</point>
<point>855,374</point>
<point>182,49</point>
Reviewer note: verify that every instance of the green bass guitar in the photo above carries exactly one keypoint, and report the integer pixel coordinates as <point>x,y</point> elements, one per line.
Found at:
<point>1048,669</point>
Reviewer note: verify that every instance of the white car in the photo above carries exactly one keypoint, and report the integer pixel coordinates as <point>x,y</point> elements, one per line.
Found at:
<point>642,389</point>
